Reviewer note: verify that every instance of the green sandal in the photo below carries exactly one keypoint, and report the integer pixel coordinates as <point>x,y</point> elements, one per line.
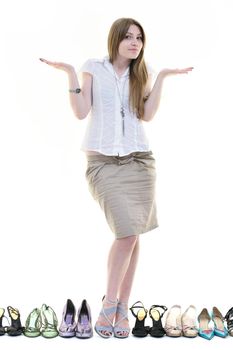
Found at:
<point>49,322</point>
<point>33,324</point>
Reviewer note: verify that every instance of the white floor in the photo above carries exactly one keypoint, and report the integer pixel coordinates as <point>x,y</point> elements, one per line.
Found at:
<point>148,343</point>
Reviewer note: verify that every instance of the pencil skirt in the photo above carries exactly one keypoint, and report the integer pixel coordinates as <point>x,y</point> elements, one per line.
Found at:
<point>124,187</point>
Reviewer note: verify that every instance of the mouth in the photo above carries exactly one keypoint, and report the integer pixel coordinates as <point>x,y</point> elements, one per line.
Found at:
<point>133,50</point>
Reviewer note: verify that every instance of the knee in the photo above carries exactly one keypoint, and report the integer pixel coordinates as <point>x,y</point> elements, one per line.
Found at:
<point>129,241</point>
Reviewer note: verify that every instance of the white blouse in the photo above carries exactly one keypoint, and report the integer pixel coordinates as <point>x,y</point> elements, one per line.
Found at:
<point>104,132</point>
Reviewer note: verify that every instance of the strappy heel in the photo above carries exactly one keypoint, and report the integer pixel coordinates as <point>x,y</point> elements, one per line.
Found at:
<point>49,322</point>
<point>16,327</point>
<point>33,324</point>
<point>229,319</point>
<point>157,329</point>
<point>121,332</point>
<point>107,331</point>
<point>139,329</point>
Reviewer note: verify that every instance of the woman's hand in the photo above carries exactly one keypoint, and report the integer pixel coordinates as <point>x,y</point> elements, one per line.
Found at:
<point>59,65</point>
<point>167,71</point>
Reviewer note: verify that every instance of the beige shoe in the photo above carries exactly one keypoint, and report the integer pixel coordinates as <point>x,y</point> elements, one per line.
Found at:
<point>173,322</point>
<point>188,321</point>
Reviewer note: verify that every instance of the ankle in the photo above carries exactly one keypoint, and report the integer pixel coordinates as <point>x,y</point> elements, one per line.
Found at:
<point>108,300</point>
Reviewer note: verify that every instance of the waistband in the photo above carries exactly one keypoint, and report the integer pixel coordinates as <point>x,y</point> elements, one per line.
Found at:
<point>118,159</point>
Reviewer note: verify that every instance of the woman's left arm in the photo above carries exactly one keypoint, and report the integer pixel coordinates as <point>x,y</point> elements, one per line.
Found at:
<point>152,103</point>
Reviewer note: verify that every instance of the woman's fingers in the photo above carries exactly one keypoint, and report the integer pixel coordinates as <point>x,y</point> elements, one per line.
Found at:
<point>49,62</point>
<point>59,65</point>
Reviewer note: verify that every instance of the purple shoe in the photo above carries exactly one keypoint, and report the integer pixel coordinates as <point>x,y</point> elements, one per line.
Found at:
<point>84,326</point>
<point>68,324</point>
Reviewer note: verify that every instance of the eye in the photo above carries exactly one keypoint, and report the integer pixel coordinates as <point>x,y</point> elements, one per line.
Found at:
<point>128,36</point>
<point>139,38</point>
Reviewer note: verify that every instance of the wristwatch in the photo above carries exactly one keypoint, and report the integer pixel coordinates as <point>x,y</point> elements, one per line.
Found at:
<point>76,91</point>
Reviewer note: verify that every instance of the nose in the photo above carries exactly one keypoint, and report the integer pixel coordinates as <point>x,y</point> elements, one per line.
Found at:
<point>134,42</point>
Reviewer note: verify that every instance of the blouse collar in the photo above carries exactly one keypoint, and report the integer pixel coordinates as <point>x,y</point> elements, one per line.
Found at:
<point>110,68</point>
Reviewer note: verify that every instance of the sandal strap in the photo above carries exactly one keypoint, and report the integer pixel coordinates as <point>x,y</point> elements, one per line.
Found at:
<point>158,306</point>
<point>121,311</point>
<point>134,306</point>
<point>106,311</point>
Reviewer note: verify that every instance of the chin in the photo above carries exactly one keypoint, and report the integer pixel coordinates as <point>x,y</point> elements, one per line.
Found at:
<point>133,56</point>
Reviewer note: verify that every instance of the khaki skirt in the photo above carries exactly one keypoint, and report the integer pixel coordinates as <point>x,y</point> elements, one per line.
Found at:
<point>125,189</point>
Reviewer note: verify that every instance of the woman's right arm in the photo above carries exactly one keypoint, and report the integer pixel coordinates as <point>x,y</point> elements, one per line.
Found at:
<point>81,102</point>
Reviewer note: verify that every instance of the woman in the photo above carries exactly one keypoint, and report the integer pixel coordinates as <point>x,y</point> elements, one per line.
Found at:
<point>121,169</point>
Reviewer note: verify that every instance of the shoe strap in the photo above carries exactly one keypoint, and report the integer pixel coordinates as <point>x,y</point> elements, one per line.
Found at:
<point>44,320</point>
<point>158,306</point>
<point>122,312</point>
<point>135,306</point>
<point>108,311</point>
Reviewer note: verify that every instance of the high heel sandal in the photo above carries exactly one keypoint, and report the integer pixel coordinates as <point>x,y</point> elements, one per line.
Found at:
<point>33,324</point>
<point>107,331</point>
<point>16,327</point>
<point>219,328</point>
<point>157,329</point>
<point>49,322</point>
<point>139,329</point>
<point>121,332</point>
<point>229,319</point>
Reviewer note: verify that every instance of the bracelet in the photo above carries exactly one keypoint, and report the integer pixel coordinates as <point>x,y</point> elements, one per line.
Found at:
<point>76,91</point>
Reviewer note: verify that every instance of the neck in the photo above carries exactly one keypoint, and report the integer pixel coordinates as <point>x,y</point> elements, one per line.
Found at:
<point>120,64</point>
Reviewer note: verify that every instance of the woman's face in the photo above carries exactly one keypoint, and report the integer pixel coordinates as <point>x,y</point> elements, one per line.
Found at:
<point>132,44</point>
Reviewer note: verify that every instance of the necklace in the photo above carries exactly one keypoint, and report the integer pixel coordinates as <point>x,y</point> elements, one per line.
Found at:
<point>121,97</point>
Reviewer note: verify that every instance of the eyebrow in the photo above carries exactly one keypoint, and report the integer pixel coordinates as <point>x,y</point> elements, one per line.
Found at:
<point>132,33</point>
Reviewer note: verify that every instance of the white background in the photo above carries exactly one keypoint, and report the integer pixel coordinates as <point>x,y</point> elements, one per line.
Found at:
<point>54,238</point>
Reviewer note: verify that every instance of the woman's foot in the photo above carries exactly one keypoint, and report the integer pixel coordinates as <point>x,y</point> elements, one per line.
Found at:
<point>121,326</point>
<point>104,324</point>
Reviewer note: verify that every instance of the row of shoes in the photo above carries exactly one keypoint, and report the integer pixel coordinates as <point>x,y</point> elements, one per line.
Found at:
<point>43,321</point>
<point>178,324</point>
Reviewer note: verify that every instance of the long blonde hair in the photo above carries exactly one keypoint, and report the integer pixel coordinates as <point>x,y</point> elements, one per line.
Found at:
<point>138,71</point>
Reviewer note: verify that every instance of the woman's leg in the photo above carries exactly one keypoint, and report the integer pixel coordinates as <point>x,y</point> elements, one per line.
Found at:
<point>127,282</point>
<point>119,261</point>
<point>125,290</point>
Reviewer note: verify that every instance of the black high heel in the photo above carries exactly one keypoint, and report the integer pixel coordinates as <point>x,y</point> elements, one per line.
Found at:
<point>229,319</point>
<point>139,329</point>
<point>157,329</point>
<point>16,327</point>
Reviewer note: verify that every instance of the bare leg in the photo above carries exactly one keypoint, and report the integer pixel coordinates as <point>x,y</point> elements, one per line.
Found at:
<point>127,282</point>
<point>118,263</point>
<point>125,289</point>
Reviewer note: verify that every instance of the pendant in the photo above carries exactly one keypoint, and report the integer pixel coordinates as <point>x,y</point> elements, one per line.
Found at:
<point>123,121</point>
